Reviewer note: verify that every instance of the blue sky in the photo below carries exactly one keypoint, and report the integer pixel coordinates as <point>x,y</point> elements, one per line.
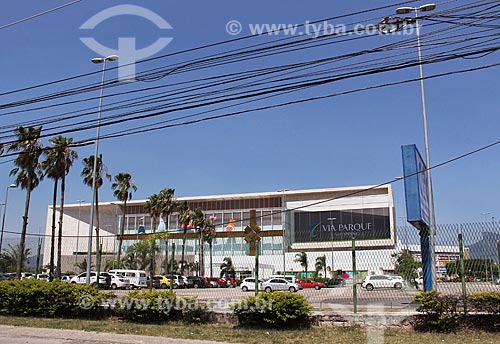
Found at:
<point>342,141</point>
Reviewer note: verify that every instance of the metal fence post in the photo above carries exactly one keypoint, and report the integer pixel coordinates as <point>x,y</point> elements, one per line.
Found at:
<point>172,267</point>
<point>354,273</point>
<point>462,268</point>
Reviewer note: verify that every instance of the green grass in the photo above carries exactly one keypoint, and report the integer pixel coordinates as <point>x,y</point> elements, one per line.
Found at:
<point>228,333</point>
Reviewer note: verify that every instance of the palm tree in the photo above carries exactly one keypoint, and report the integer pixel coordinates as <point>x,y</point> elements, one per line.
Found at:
<point>199,221</point>
<point>159,205</point>
<point>28,173</point>
<point>209,236</point>
<point>82,266</point>
<point>302,259</point>
<point>321,264</point>
<point>13,254</point>
<point>88,177</point>
<point>58,162</point>
<point>227,267</point>
<point>185,216</point>
<point>167,208</point>
<point>122,191</point>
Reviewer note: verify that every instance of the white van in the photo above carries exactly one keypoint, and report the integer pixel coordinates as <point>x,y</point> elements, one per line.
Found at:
<point>289,278</point>
<point>137,278</point>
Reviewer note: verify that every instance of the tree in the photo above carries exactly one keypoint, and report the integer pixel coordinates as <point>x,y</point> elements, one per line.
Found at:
<point>159,205</point>
<point>321,264</point>
<point>199,222</point>
<point>59,160</point>
<point>406,266</point>
<point>82,266</point>
<point>301,258</point>
<point>28,172</point>
<point>14,254</point>
<point>123,187</point>
<point>209,234</point>
<point>139,255</point>
<point>185,219</point>
<point>227,267</point>
<point>88,177</point>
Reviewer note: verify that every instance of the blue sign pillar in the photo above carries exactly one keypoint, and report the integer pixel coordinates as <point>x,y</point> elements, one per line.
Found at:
<point>417,208</point>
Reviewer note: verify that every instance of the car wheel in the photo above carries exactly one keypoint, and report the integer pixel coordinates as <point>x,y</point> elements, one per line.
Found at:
<point>317,287</point>
<point>268,289</point>
<point>244,288</point>
<point>113,286</point>
<point>369,287</point>
<point>73,282</point>
<point>398,285</point>
<point>163,286</point>
<point>292,289</point>
<point>176,286</point>
<point>195,286</point>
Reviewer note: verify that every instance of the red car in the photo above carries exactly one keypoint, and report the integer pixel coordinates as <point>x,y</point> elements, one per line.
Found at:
<point>311,284</point>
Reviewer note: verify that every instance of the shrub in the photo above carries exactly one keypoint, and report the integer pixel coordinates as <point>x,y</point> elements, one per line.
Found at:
<point>194,312</point>
<point>274,309</point>
<point>442,311</point>
<point>149,306</point>
<point>487,302</point>
<point>49,299</point>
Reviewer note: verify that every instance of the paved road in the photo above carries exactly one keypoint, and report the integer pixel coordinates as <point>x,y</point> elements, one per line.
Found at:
<point>24,335</point>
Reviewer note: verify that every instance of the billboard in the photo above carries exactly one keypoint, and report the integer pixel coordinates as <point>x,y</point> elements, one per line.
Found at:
<point>338,226</point>
<point>416,187</point>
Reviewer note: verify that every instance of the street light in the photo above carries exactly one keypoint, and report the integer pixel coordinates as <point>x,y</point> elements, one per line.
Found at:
<point>96,60</point>
<point>283,224</point>
<point>432,230</point>
<point>78,230</point>
<point>4,212</point>
<point>331,219</point>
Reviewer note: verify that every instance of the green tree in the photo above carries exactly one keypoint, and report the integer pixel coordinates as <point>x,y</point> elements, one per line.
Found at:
<point>88,177</point>
<point>28,172</point>
<point>123,188</point>
<point>227,267</point>
<point>57,164</point>
<point>301,258</point>
<point>139,255</point>
<point>185,216</point>
<point>477,267</point>
<point>406,266</point>
<point>14,254</point>
<point>209,235</point>
<point>82,266</point>
<point>321,264</point>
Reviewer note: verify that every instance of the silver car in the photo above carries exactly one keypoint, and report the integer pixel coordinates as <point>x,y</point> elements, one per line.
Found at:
<point>274,284</point>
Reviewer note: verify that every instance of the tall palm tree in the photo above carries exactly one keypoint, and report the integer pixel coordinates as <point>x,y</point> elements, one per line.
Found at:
<point>321,264</point>
<point>28,172</point>
<point>209,234</point>
<point>227,267</point>
<point>123,187</point>
<point>88,177</point>
<point>167,208</point>
<point>58,162</point>
<point>185,218</point>
<point>302,259</point>
<point>199,222</point>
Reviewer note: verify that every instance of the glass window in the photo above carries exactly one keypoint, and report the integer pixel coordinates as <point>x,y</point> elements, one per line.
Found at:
<point>276,220</point>
<point>266,218</point>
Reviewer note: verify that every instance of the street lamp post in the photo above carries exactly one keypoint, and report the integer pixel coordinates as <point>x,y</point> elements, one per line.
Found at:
<point>331,219</point>
<point>78,230</point>
<point>96,60</point>
<point>427,239</point>
<point>283,225</point>
<point>4,212</point>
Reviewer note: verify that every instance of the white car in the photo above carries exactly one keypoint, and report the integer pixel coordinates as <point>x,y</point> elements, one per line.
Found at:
<point>82,279</point>
<point>42,277</point>
<point>382,281</point>
<point>119,282</point>
<point>274,284</point>
<point>249,284</point>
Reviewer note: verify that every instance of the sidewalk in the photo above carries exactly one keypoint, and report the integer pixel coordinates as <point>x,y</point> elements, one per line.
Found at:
<point>30,335</point>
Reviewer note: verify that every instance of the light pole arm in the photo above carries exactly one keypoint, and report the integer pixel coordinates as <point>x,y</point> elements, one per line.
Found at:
<point>3,217</point>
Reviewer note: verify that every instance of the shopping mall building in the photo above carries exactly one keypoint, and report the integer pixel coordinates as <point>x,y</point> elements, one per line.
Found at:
<point>318,222</point>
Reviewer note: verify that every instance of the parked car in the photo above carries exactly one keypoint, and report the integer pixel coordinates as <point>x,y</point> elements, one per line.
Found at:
<point>119,282</point>
<point>249,284</point>
<point>335,283</point>
<point>42,277</point>
<point>137,278</point>
<point>208,284</point>
<point>274,284</point>
<point>382,281</point>
<point>306,284</point>
<point>289,278</point>
<point>5,277</point>
<point>82,279</point>
<point>195,282</point>
<point>27,275</point>
<point>217,282</point>
<point>65,279</point>
<point>161,282</point>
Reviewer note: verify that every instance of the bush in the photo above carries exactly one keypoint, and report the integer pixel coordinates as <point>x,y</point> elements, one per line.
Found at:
<point>276,309</point>
<point>487,302</point>
<point>148,306</point>
<point>442,311</point>
<point>49,299</point>
<point>194,312</point>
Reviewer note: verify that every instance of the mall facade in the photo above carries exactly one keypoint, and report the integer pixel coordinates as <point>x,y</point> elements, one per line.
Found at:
<point>318,222</point>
